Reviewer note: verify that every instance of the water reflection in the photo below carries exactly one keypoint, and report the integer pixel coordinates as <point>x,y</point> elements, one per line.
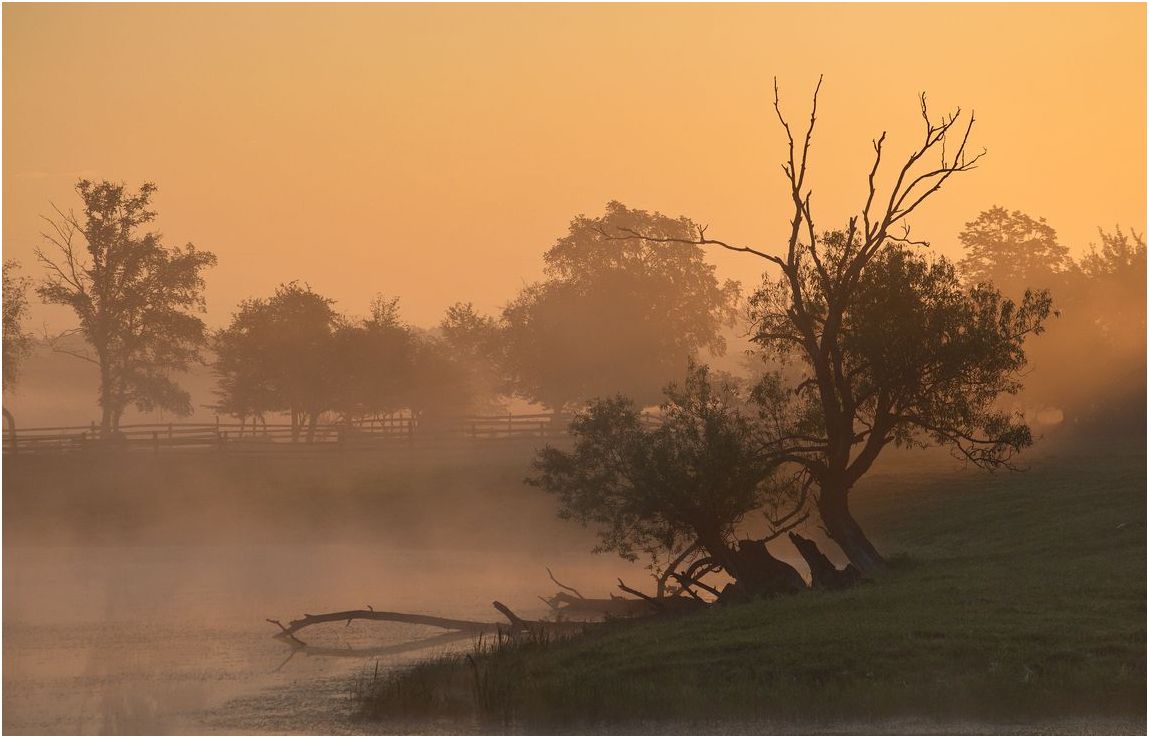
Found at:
<point>170,639</point>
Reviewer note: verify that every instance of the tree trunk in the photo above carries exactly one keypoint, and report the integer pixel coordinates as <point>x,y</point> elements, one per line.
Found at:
<point>846,532</point>
<point>10,421</point>
<point>754,570</point>
<point>823,573</point>
<point>106,417</point>
<point>106,396</point>
<point>107,404</point>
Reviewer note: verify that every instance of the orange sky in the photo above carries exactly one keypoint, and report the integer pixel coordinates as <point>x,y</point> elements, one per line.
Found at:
<point>435,151</point>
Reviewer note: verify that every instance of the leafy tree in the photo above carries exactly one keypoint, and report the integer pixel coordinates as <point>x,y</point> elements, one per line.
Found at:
<point>671,489</point>
<point>1013,251</point>
<point>17,341</point>
<point>277,355</point>
<point>1101,314</point>
<point>441,381</point>
<point>613,319</point>
<point>1116,274</point>
<point>135,297</point>
<point>894,349</point>
<point>475,342</point>
<point>373,362</point>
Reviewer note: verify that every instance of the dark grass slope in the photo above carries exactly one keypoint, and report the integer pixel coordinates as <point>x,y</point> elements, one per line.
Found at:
<point>1017,602</point>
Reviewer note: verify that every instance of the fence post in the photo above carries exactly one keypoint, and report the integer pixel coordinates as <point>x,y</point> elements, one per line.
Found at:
<point>155,442</point>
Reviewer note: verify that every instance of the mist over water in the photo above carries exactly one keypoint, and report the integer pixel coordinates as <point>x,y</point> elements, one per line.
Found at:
<point>371,323</point>
<point>166,639</point>
<point>143,608</point>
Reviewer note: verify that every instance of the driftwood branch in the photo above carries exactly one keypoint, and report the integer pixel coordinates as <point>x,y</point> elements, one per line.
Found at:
<point>688,585</point>
<point>563,586</point>
<point>511,616</point>
<point>459,628</point>
<point>636,593</point>
<point>287,632</point>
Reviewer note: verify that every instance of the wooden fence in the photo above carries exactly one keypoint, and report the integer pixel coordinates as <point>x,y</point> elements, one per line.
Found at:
<point>236,438</point>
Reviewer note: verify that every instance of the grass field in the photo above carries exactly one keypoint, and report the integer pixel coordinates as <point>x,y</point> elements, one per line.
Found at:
<point>1016,600</point>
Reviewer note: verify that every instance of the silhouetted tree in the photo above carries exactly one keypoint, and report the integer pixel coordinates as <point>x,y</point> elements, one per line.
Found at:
<point>610,319</point>
<point>1101,314</point>
<point>278,355</point>
<point>1113,307</point>
<point>17,341</point>
<point>678,489</point>
<point>440,385</point>
<point>1013,252</point>
<point>135,298</point>
<point>895,350</point>
<point>1116,274</point>
<point>475,342</point>
<point>373,363</point>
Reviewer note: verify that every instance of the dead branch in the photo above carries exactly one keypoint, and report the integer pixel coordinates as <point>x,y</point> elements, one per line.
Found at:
<point>641,595</point>
<point>564,604</point>
<point>511,616</point>
<point>689,584</point>
<point>442,639</point>
<point>456,626</point>
<point>563,586</point>
<point>672,567</point>
<point>471,627</point>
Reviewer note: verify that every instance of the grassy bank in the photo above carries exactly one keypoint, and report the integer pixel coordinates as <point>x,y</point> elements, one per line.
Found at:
<point>1017,599</point>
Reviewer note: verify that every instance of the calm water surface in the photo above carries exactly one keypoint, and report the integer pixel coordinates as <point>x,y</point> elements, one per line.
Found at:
<point>173,639</point>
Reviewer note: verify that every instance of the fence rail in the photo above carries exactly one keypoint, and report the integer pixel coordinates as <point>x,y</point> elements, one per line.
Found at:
<point>260,438</point>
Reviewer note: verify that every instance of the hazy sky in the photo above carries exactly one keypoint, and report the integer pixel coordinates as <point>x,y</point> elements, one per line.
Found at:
<point>435,152</point>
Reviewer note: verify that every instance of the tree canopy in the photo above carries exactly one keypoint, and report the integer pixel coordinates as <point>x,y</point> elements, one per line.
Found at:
<point>1100,303</point>
<point>17,341</point>
<point>294,353</point>
<point>613,318</point>
<point>674,485</point>
<point>136,299</point>
<point>1012,251</point>
<point>891,348</point>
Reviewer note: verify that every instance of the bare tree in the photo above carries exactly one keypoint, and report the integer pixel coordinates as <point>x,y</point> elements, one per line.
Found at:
<point>838,306</point>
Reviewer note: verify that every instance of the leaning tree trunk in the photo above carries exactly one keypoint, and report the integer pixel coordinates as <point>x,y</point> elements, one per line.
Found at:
<point>845,531</point>
<point>754,570</point>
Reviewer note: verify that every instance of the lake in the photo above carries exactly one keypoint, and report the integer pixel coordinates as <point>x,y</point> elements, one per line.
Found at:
<point>173,639</point>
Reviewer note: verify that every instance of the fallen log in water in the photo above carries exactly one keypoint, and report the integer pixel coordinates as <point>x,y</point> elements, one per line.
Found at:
<point>461,627</point>
<point>566,605</point>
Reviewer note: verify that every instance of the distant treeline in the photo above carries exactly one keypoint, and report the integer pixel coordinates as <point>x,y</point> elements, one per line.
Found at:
<point>613,315</point>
